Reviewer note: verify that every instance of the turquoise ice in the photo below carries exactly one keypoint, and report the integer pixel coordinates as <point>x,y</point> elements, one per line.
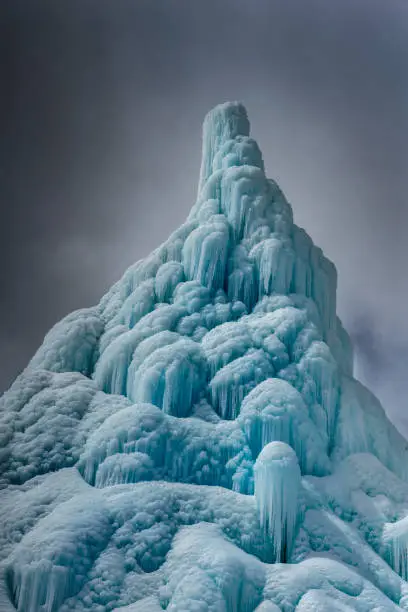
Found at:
<point>196,442</point>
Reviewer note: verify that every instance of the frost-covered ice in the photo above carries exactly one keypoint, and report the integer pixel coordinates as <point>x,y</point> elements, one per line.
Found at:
<point>277,486</point>
<point>196,442</point>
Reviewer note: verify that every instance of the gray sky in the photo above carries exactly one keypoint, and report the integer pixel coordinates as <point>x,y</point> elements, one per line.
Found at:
<point>101,118</point>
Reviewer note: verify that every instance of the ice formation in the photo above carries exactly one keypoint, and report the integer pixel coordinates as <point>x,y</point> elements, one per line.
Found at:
<point>277,485</point>
<point>197,441</point>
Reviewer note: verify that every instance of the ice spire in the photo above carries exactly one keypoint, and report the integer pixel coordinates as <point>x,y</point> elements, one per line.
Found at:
<point>164,448</point>
<point>224,122</point>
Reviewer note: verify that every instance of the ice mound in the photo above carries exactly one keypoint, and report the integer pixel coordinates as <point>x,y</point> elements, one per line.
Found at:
<point>277,485</point>
<point>196,441</point>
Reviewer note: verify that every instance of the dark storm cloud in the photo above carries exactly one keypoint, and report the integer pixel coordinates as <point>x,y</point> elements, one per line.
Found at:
<point>101,119</point>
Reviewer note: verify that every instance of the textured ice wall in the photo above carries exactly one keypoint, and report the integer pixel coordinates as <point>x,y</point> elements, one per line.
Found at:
<point>167,448</point>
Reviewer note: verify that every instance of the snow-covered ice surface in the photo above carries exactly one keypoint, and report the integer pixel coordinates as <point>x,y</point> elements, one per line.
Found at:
<point>196,442</point>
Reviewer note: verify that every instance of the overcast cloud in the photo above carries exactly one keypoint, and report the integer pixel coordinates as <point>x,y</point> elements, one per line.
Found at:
<point>101,111</point>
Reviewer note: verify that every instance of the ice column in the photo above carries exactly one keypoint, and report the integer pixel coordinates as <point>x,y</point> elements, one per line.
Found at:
<point>277,484</point>
<point>222,123</point>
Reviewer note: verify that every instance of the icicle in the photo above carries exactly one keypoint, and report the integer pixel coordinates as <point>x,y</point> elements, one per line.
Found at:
<point>318,362</point>
<point>168,276</point>
<point>205,252</point>
<point>341,347</point>
<point>234,381</point>
<point>302,277</point>
<point>244,196</point>
<point>395,538</point>
<point>242,278</point>
<point>111,370</point>
<point>324,285</point>
<point>274,260</point>
<point>42,586</point>
<point>277,485</point>
<point>138,304</point>
<point>275,411</point>
<point>226,343</point>
<point>168,371</point>
<point>124,469</point>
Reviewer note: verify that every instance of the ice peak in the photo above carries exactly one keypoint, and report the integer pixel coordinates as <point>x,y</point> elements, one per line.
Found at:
<point>227,120</point>
<point>222,123</point>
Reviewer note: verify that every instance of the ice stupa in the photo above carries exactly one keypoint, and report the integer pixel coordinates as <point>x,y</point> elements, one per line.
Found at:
<point>196,442</point>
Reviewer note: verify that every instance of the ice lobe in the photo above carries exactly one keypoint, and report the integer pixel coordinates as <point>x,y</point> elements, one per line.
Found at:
<point>277,485</point>
<point>273,411</point>
<point>196,441</point>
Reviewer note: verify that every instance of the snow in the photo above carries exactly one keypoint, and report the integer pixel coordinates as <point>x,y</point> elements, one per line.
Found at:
<point>197,441</point>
